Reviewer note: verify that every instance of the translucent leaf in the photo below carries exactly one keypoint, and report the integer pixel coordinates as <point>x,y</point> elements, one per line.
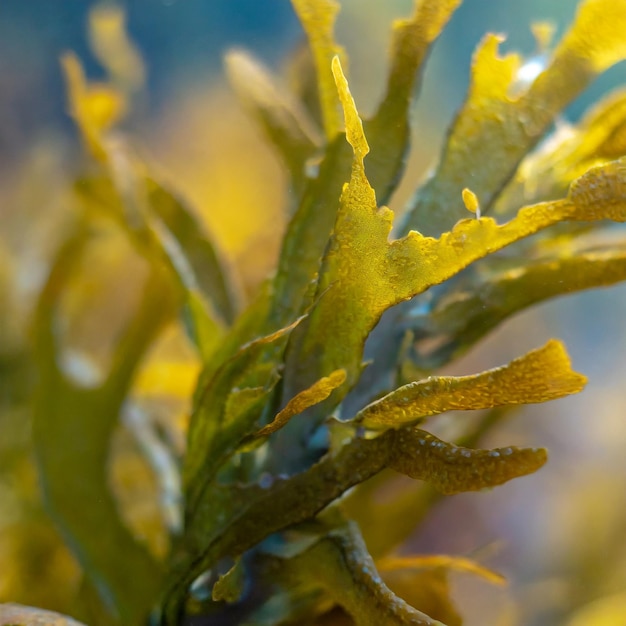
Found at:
<point>281,117</point>
<point>541,375</point>
<point>72,429</point>
<point>316,393</point>
<point>494,129</point>
<point>318,20</point>
<point>452,563</point>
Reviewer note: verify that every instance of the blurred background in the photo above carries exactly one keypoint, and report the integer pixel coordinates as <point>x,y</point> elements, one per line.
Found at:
<point>559,535</point>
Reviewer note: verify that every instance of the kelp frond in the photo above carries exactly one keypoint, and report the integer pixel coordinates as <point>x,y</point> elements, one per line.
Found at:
<point>302,394</point>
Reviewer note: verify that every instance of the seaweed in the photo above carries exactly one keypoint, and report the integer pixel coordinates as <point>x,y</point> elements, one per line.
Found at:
<point>326,377</point>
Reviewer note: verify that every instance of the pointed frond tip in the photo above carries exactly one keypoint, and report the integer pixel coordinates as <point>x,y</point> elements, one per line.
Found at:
<point>504,115</point>
<point>316,393</point>
<point>444,561</point>
<point>541,375</point>
<point>354,126</point>
<point>95,107</point>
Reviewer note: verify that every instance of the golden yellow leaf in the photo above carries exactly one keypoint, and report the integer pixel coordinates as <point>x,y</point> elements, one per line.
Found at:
<point>541,375</point>
<point>453,563</point>
<point>316,393</point>
<point>366,274</point>
<point>501,119</point>
<point>94,107</point>
<point>429,590</point>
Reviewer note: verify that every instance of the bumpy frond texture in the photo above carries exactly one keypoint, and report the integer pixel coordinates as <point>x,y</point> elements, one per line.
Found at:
<point>305,392</point>
<point>502,119</point>
<point>522,381</point>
